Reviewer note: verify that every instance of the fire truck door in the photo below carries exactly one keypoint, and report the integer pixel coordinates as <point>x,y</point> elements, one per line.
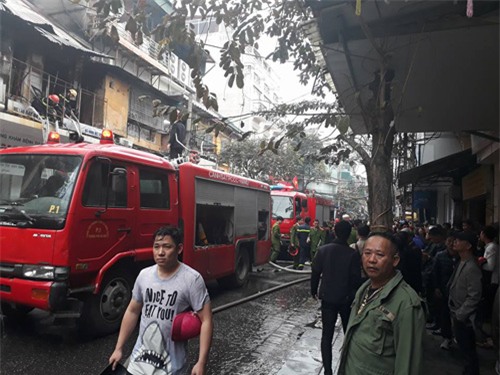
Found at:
<point>156,203</point>
<point>105,216</point>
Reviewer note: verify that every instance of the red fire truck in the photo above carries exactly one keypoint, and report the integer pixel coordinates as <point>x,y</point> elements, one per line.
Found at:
<point>290,203</point>
<point>77,224</point>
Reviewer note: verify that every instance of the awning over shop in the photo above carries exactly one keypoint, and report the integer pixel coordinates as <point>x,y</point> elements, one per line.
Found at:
<point>445,64</point>
<point>455,165</point>
<point>47,29</point>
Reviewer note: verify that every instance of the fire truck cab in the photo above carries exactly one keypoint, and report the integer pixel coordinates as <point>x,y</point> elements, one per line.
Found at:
<point>290,203</point>
<point>77,224</point>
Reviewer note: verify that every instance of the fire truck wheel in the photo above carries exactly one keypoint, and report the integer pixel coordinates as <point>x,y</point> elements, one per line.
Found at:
<point>15,310</point>
<point>241,273</point>
<point>102,313</point>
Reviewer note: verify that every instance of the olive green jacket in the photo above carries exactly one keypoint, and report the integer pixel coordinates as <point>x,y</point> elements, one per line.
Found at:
<point>276,235</point>
<point>386,337</point>
<point>294,241</point>
<point>317,237</point>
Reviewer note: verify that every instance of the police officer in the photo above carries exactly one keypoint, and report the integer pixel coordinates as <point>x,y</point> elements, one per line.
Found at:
<point>276,239</point>
<point>316,238</point>
<point>294,242</point>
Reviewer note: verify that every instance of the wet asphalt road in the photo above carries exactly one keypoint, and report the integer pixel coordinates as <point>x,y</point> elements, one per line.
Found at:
<point>251,338</point>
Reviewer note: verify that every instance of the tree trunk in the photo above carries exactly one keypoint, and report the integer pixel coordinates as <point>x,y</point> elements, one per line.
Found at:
<point>380,175</point>
<point>380,201</point>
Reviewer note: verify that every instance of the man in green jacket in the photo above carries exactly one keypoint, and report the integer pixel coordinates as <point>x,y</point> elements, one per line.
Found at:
<point>316,237</point>
<point>386,326</point>
<point>294,242</point>
<point>276,239</point>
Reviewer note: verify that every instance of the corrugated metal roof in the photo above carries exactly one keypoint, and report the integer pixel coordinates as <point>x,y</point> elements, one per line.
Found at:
<point>47,29</point>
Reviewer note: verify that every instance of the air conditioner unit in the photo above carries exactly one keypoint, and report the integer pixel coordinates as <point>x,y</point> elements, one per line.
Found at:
<point>184,72</point>
<point>172,63</point>
<point>125,142</point>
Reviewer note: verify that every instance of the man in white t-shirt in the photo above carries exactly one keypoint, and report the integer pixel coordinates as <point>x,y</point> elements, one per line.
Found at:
<point>160,292</point>
<point>490,262</point>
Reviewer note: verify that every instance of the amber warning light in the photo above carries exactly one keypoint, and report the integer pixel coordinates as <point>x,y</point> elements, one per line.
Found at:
<point>107,137</point>
<point>54,137</point>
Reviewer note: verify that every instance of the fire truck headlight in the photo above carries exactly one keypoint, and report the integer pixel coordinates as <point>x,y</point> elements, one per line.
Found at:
<point>32,271</point>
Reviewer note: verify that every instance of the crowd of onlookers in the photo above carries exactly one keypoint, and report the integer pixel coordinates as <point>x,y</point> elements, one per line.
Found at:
<point>453,268</point>
<point>431,259</point>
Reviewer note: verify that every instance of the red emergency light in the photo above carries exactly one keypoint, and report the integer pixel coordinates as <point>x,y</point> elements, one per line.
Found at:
<point>107,137</point>
<point>53,138</point>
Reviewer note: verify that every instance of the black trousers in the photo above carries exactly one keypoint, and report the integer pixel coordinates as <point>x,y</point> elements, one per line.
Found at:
<point>444,320</point>
<point>466,339</point>
<point>175,153</point>
<point>329,313</point>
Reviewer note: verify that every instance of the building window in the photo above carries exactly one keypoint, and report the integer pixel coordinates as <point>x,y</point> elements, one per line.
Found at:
<point>147,135</point>
<point>133,130</point>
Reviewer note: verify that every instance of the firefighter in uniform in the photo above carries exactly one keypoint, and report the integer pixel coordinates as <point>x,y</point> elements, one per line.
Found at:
<point>276,239</point>
<point>303,234</point>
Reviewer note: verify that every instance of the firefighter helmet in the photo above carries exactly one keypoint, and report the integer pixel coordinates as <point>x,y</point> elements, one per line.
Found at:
<point>53,99</point>
<point>72,94</point>
<point>185,326</point>
<point>293,250</point>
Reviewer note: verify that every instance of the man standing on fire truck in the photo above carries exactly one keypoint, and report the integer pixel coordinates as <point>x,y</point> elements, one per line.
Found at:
<point>160,292</point>
<point>177,137</point>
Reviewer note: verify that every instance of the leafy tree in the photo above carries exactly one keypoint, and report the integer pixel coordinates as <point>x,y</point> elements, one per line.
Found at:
<point>287,22</point>
<point>352,198</point>
<point>246,158</point>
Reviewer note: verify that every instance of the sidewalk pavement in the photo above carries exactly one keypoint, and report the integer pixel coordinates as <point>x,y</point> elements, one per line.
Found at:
<point>305,356</point>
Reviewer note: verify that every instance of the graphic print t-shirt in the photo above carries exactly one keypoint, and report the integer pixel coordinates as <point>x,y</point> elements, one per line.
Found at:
<point>154,352</point>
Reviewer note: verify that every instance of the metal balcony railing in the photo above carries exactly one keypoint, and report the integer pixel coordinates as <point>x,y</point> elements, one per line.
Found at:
<point>39,95</point>
<point>150,47</point>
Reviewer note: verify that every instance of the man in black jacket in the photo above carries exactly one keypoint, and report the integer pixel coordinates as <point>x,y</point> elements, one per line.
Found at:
<point>338,267</point>
<point>177,137</point>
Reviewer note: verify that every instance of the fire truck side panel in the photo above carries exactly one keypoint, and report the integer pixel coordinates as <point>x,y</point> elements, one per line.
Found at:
<point>263,227</point>
<point>192,255</point>
<point>223,212</point>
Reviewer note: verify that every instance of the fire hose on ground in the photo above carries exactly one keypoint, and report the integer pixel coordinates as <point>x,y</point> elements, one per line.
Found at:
<point>291,270</point>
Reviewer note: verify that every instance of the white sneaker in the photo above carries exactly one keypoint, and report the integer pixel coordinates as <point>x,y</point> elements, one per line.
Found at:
<point>307,263</point>
<point>446,344</point>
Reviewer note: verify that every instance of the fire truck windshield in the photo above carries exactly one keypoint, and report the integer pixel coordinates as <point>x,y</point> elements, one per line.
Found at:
<point>282,206</point>
<point>35,190</point>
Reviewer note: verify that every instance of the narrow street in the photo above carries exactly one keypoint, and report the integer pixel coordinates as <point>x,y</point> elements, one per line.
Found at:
<point>276,334</point>
<point>252,338</point>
